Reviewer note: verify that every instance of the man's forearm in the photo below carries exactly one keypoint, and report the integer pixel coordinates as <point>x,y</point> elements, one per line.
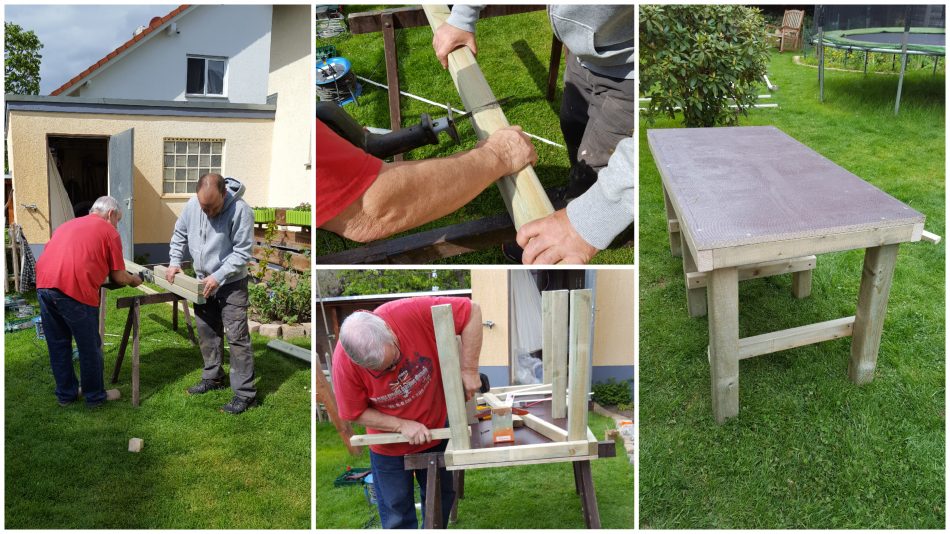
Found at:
<point>472,341</point>
<point>373,418</point>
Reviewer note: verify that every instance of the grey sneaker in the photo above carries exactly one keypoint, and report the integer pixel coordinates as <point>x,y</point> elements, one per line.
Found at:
<point>205,386</point>
<point>238,405</point>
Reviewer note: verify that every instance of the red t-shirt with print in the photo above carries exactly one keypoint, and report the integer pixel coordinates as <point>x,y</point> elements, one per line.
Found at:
<point>344,173</point>
<point>414,389</point>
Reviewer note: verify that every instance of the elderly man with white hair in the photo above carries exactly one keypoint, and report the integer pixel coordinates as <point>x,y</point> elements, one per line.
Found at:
<point>386,377</point>
<point>76,260</point>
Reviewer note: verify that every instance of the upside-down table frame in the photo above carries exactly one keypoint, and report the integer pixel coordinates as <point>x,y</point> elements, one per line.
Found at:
<point>750,198</point>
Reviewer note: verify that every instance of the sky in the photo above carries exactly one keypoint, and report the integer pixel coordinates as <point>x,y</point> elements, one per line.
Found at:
<point>74,37</point>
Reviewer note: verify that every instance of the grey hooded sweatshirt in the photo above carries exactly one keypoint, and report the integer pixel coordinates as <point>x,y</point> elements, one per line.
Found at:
<point>601,37</point>
<point>219,246</point>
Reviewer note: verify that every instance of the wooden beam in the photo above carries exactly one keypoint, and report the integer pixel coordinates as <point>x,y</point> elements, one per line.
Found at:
<point>492,401</point>
<point>750,347</point>
<point>324,394</point>
<point>876,278</point>
<point>154,298</point>
<point>178,290</point>
<point>546,429</point>
<point>413,17</point>
<point>284,258</point>
<point>519,387</point>
<point>560,338</point>
<point>290,349</point>
<point>522,192</point>
<point>516,454</point>
<point>443,322</point>
<point>579,345</point>
<point>724,342</point>
<point>758,270</point>
<point>285,238</point>
<point>547,341</point>
<point>395,437</point>
<point>181,279</point>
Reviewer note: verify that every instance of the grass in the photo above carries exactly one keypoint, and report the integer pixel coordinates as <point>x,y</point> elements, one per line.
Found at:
<point>809,449</point>
<point>69,467</point>
<point>513,53</point>
<point>531,496</point>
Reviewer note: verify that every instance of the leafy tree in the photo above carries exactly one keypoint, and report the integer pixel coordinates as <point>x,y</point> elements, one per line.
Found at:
<point>381,281</point>
<point>21,60</point>
<point>701,59</point>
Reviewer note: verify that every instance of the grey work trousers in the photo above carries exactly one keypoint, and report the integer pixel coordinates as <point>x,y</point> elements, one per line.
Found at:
<point>597,112</point>
<point>226,312</point>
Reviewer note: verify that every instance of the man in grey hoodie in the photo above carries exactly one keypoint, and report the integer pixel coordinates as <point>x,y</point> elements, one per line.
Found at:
<point>217,227</point>
<point>598,111</point>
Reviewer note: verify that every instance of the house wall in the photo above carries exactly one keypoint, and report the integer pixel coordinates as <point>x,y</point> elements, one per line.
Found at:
<point>292,180</point>
<point>490,291</point>
<point>614,325</point>
<point>246,155</point>
<point>155,68</point>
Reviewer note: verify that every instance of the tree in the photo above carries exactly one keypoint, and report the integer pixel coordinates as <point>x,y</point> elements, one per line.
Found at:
<point>21,60</point>
<point>701,60</point>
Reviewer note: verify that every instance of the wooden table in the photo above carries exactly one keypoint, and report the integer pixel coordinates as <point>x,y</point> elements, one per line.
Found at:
<point>753,196</point>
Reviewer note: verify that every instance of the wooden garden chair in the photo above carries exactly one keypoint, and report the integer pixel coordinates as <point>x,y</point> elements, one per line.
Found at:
<point>789,36</point>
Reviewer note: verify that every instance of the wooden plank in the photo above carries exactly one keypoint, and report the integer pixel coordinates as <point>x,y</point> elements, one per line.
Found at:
<point>724,342</point>
<point>492,401</point>
<point>759,270</point>
<point>801,284</point>
<point>178,290</point>
<point>153,298</point>
<point>929,237</point>
<point>290,349</point>
<point>875,287</point>
<point>546,429</point>
<point>413,17</point>
<point>522,192</point>
<point>181,279</point>
<point>284,258</point>
<point>695,298</point>
<point>324,394</point>
<point>672,226</point>
<point>284,238</point>
<point>579,347</point>
<point>537,461</point>
<point>520,387</point>
<point>395,437</point>
<point>516,454</point>
<point>560,339</point>
<point>790,338</point>
<point>547,340</point>
<point>449,361</point>
<point>554,67</point>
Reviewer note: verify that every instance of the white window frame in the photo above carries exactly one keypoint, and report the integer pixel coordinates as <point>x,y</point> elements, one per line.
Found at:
<point>206,59</point>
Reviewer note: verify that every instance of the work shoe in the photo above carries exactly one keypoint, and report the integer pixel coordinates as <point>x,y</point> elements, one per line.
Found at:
<point>205,386</point>
<point>238,405</point>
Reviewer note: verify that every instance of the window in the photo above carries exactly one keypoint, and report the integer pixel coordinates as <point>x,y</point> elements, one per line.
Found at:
<point>205,76</point>
<point>185,160</point>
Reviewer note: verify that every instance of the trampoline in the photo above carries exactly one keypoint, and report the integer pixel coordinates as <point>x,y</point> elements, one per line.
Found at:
<point>900,30</point>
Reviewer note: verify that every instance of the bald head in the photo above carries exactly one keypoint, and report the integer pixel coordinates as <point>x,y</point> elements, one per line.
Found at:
<point>211,193</point>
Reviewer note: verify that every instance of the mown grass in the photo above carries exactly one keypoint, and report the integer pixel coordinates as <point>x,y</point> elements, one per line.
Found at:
<point>809,449</point>
<point>531,496</point>
<point>200,468</point>
<point>513,53</point>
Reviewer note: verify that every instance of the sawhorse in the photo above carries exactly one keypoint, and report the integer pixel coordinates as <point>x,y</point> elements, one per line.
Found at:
<point>135,304</point>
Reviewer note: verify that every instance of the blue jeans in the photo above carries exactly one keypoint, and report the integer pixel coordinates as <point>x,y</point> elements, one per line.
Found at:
<point>65,319</point>
<point>395,493</point>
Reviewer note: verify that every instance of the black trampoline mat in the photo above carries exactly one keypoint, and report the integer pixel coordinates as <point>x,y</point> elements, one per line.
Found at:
<point>927,39</point>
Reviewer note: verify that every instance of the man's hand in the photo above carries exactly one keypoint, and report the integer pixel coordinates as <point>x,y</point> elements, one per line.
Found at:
<point>211,285</point>
<point>472,383</point>
<point>170,273</point>
<point>447,38</point>
<point>416,432</point>
<point>136,281</point>
<point>511,148</point>
<point>553,240</point>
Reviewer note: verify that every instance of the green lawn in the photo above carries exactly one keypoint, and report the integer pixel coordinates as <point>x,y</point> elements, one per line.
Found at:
<point>513,53</point>
<point>531,496</point>
<point>809,449</point>
<point>200,468</point>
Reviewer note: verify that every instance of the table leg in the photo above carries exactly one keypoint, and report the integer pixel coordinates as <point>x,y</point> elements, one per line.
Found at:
<point>458,484</point>
<point>188,323</point>
<point>675,243</point>
<point>122,346</point>
<point>135,354</point>
<point>433,502</point>
<point>588,496</point>
<point>801,284</point>
<point>175,314</point>
<point>695,297</point>
<point>577,478</point>
<point>723,287</point>
<point>554,66</point>
<point>869,317</point>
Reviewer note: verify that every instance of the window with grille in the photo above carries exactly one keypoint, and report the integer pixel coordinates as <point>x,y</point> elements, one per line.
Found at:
<point>185,160</point>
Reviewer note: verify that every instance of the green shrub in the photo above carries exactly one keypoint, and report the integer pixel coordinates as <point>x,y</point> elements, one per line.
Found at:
<point>613,393</point>
<point>382,281</point>
<point>701,59</point>
<point>281,299</point>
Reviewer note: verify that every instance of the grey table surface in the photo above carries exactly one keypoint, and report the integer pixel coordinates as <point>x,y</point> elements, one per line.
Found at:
<point>736,186</point>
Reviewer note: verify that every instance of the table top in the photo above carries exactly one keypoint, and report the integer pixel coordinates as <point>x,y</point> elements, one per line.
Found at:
<point>751,185</point>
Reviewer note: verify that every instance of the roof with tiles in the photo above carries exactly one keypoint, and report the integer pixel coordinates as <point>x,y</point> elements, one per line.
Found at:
<point>153,25</point>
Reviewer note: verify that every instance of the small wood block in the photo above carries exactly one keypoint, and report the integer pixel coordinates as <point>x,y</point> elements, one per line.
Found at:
<point>181,279</point>
<point>136,444</point>
<point>178,290</point>
<point>290,349</point>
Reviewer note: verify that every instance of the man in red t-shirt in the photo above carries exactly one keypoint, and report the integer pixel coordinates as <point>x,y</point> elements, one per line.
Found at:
<point>386,377</point>
<point>363,198</point>
<point>72,267</point>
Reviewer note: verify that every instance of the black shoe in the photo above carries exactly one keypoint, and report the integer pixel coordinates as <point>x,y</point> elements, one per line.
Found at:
<point>205,386</point>
<point>238,405</point>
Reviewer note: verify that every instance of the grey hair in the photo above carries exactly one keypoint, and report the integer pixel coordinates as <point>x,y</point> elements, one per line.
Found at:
<point>364,337</point>
<point>103,205</point>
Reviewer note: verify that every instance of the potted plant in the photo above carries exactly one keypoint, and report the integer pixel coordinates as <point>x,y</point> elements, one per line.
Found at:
<point>264,215</point>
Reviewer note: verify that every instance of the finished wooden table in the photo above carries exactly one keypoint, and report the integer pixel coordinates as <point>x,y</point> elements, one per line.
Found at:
<point>744,201</point>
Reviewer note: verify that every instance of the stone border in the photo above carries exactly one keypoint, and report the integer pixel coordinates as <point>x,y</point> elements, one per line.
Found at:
<point>281,331</point>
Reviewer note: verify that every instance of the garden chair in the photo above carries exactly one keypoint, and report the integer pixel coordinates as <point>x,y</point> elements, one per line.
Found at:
<point>789,36</point>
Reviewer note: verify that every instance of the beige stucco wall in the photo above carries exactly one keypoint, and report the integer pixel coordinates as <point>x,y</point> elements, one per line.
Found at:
<point>614,321</point>
<point>490,291</point>
<point>292,179</point>
<point>247,156</point>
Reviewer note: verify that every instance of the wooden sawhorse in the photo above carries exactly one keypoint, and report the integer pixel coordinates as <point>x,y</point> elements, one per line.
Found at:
<point>135,304</point>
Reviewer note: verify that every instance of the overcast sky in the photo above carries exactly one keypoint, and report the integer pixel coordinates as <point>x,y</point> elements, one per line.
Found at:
<point>74,37</point>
